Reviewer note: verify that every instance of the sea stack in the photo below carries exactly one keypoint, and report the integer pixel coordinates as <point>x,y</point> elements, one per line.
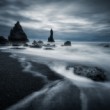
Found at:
<point>51,39</point>
<point>17,34</point>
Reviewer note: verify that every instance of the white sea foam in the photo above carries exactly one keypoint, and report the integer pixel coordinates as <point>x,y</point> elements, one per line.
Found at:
<point>57,59</point>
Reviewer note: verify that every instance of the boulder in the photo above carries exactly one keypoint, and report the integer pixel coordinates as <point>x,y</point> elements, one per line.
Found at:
<point>40,42</point>
<point>93,73</point>
<point>17,34</point>
<point>67,43</point>
<point>35,44</point>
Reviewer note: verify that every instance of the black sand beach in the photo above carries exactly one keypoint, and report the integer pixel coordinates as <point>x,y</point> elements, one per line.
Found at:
<point>16,84</point>
<point>42,88</point>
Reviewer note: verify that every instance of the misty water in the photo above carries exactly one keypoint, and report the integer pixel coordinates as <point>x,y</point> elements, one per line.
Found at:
<point>90,54</point>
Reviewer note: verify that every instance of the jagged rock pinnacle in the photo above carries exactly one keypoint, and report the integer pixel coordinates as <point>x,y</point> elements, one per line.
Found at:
<point>17,34</point>
<point>51,39</point>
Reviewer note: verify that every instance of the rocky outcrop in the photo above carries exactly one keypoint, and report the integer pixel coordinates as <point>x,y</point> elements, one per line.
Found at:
<point>51,39</point>
<point>35,44</point>
<point>17,34</point>
<point>67,43</point>
<point>40,42</point>
<point>3,40</point>
<point>93,73</point>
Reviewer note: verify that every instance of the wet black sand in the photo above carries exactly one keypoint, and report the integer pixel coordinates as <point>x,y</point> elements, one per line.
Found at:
<point>16,84</point>
<point>47,91</point>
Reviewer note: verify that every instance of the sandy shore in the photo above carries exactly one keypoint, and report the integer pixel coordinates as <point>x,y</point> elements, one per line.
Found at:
<point>45,89</point>
<point>16,84</point>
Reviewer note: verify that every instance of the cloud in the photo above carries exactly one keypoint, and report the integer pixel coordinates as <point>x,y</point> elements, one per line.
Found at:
<point>73,17</point>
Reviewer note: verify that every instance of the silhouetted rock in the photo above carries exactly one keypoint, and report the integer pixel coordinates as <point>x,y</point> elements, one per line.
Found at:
<point>35,44</point>
<point>40,42</point>
<point>51,39</point>
<point>3,41</point>
<point>93,73</point>
<point>67,43</point>
<point>17,34</point>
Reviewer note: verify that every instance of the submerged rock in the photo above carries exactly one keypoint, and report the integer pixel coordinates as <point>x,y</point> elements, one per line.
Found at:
<point>93,73</point>
<point>51,39</point>
<point>67,43</point>
<point>17,34</point>
<point>3,40</point>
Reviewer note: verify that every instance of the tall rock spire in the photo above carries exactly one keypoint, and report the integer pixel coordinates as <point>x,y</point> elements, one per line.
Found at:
<point>17,34</point>
<point>51,39</point>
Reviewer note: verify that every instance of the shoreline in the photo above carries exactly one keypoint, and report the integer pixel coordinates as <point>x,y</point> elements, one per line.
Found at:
<point>40,83</point>
<point>16,84</point>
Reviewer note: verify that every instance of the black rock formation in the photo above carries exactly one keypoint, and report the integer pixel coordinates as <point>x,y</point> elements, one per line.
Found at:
<point>17,34</point>
<point>51,39</point>
<point>93,73</point>
<point>40,42</point>
<point>3,41</point>
<point>35,44</point>
<point>67,43</point>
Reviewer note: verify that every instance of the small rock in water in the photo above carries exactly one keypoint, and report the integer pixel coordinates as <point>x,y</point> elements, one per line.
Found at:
<point>40,42</point>
<point>35,44</point>
<point>67,43</point>
<point>93,73</point>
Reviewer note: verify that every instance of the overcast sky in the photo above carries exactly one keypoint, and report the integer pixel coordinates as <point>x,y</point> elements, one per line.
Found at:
<point>70,19</point>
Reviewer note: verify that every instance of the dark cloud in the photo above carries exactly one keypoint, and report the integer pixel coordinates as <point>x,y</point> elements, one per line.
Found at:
<point>71,19</point>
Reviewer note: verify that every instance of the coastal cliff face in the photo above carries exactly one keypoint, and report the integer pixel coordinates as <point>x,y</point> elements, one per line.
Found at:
<point>51,39</point>
<point>17,34</point>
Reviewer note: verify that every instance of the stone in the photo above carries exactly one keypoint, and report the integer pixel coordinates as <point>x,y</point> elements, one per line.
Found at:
<point>40,42</point>
<point>35,44</point>
<point>51,39</point>
<point>93,73</point>
<point>67,43</point>
<point>17,34</point>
